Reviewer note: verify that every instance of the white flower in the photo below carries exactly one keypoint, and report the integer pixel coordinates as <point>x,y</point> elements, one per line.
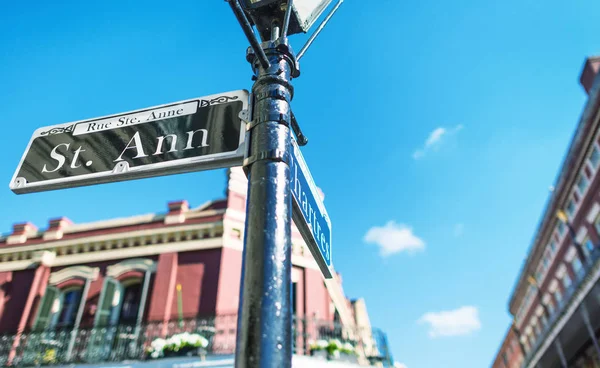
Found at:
<point>197,340</point>
<point>322,344</point>
<point>158,344</point>
<point>175,340</point>
<point>348,347</point>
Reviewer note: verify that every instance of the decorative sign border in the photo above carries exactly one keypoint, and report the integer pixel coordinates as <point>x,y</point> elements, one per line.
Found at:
<point>122,171</point>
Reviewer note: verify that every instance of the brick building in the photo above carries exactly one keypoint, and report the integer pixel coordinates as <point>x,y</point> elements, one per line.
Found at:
<point>128,280</point>
<point>555,303</point>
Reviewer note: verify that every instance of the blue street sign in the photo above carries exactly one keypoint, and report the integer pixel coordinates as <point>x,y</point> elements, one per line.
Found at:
<point>308,212</point>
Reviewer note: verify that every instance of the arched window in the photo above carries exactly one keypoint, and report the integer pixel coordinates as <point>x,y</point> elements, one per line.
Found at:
<point>123,298</point>
<point>64,298</point>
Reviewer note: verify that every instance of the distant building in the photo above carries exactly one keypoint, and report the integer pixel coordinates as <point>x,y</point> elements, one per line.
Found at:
<point>103,290</point>
<point>556,300</point>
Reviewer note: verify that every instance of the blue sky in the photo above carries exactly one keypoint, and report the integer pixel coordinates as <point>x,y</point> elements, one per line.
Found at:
<point>435,128</point>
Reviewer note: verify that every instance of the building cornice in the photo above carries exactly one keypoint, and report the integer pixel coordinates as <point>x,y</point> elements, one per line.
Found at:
<point>116,245</point>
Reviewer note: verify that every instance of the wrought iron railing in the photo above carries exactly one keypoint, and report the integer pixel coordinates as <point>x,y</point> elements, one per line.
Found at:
<point>130,342</point>
<point>563,305</point>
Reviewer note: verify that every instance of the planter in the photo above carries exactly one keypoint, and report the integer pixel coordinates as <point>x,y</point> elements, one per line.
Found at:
<point>320,354</point>
<point>186,351</point>
<point>348,358</point>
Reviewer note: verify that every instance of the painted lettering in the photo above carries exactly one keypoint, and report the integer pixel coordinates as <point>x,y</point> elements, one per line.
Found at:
<point>161,139</point>
<point>98,126</point>
<point>137,146</point>
<point>191,138</point>
<point>75,157</point>
<point>58,157</point>
<point>164,114</point>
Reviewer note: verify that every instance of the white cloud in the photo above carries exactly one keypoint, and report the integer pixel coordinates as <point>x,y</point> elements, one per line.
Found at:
<point>394,238</point>
<point>458,322</point>
<point>435,140</point>
<point>459,229</point>
<point>399,365</point>
<point>321,193</point>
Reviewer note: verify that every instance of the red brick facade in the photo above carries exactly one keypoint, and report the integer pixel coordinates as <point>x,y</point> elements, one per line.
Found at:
<point>191,257</point>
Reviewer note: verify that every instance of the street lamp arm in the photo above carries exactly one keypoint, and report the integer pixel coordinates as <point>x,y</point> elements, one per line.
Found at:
<point>286,18</point>
<point>247,28</point>
<point>319,29</point>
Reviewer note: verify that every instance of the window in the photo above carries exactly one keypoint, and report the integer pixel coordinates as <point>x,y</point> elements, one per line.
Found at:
<point>544,321</point>
<point>546,261</point>
<point>550,306</point>
<point>597,225</point>
<point>589,245</point>
<point>594,157</point>
<point>561,228</point>
<point>582,183</point>
<point>505,359</point>
<point>576,264</point>
<point>558,296</point>
<point>571,208</point>
<point>132,296</point>
<point>538,331</point>
<point>58,308</point>
<point>553,246</point>
<point>68,311</point>
<point>566,281</point>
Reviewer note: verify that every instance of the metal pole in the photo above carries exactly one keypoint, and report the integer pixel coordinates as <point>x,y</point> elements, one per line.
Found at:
<point>561,354</point>
<point>264,330</point>
<point>588,325</point>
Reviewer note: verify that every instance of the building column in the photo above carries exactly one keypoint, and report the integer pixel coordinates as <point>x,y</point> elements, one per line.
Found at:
<point>161,301</point>
<point>5,284</point>
<point>590,329</point>
<point>36,291</point>
<point>561,354</point>
<point>299,320</point>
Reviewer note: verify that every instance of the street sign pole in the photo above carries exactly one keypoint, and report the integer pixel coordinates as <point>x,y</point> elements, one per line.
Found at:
<point>264,334</point>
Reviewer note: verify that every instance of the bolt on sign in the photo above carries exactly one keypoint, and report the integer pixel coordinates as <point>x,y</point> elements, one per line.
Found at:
<point>192,135</point>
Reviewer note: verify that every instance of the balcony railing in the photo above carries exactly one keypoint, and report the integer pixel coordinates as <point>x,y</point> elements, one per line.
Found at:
<point>127,342</point>
<point>564,303</point>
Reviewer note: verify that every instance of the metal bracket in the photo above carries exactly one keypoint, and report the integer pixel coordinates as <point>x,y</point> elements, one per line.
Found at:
<point>20,182</point>
<point>302,140</point>
<point>121,167</point>
<point>279,118</point>
<point>273,155</point>
<point>244,116</point>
